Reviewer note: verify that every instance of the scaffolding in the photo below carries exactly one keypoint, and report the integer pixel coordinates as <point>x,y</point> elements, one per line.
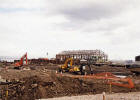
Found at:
<point>97,55</point>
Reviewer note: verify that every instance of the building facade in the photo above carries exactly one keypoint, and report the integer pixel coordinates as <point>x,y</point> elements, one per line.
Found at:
<point>96,55</point>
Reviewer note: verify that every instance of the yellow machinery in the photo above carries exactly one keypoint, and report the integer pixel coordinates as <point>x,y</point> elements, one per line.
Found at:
<point>68,67</point>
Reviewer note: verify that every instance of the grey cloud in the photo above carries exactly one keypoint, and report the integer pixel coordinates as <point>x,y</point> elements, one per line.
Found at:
<point>107,28</point>
<point>80,14</point>
<point>86,11</point>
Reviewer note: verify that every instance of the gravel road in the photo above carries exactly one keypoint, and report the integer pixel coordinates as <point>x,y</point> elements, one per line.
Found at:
<point>116,96</point>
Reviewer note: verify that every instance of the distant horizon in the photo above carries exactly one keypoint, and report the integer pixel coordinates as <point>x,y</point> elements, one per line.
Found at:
<point>16,58</point>
<point>48,55</point>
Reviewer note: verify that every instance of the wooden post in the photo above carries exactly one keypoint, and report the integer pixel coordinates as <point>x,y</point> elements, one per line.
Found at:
<point>110,88</point>
<point>103,95</point>
<point>6,98</point>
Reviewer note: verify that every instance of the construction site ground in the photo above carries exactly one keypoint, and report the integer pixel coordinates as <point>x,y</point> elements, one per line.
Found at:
<point>41,81</point>
<point>113,96</point>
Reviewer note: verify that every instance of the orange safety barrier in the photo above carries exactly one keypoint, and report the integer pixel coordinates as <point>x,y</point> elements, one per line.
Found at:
<point>111,79</point>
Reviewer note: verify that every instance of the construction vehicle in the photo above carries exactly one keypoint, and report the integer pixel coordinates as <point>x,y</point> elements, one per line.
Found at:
<point>23,61</point>
<point>69,67</point>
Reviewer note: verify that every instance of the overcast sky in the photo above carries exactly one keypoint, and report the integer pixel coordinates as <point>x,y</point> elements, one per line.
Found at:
<point>41,26</point>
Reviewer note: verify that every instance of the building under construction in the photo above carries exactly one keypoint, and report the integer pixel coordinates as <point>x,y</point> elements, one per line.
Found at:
<point>95,55</point>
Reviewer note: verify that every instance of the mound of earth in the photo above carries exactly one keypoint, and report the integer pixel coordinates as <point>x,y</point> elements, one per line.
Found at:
<point>36,87</point>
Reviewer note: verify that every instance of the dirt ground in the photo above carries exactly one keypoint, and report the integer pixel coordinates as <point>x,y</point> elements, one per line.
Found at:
<point>42,82</point>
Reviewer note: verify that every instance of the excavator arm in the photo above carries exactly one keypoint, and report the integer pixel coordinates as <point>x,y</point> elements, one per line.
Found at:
<point>67,62</point>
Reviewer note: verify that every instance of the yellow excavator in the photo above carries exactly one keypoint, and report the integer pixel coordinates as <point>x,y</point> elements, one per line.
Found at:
<point>69,67</point>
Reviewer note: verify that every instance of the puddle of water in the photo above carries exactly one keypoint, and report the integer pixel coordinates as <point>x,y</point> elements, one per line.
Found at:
<point>121,76</point>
